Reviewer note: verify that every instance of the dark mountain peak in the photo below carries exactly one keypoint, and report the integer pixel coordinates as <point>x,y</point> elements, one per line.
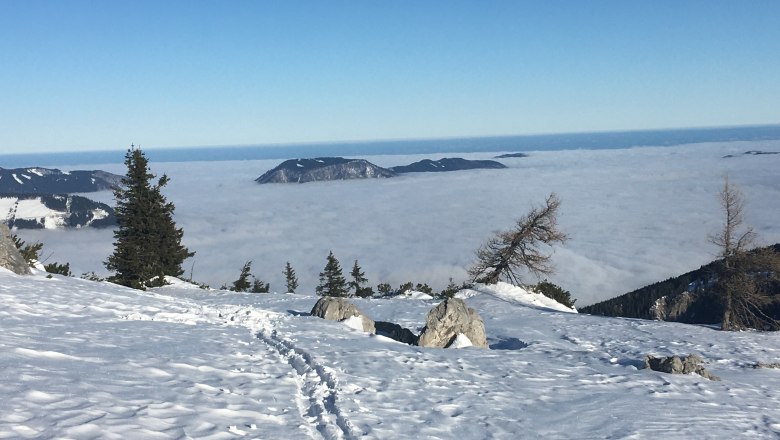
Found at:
<point>37,180</point>
<point>323,169</point>
<point>447,164</point>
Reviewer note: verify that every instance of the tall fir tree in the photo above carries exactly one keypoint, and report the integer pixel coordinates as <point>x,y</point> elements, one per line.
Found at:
<point>332,282</point>
<point>147,243</point>
<point>290,278</point>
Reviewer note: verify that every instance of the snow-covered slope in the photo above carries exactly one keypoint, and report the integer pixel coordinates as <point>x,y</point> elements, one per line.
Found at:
<point>95,360</point>
<point>53,211</point>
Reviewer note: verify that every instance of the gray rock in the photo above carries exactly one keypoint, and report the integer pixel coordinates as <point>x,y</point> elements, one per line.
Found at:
<point>10,258</point>
<point>339,309</point>
<point>679,365</point>
<point>395,331</point>
<point>447,320</point>
<point>671,308</point>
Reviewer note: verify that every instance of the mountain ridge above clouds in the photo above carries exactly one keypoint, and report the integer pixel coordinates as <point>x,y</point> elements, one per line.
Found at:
<point>37,180</point>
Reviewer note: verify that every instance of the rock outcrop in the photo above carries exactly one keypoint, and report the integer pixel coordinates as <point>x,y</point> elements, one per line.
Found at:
<point>679,365</point>
<point>323,169</point>
<point>672,307</point>
<point>339,309</point>
<point>447,320</point>
<point>10,258</point>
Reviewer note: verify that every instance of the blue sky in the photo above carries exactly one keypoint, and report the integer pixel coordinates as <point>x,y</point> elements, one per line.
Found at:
<point>95,75</point>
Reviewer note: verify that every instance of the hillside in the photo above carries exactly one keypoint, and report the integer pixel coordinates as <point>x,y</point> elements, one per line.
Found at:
<point>323,169</point>
<point>447,164</point>
<point>88,360</point>
<point>686,298</point>
<point>54,211</point>
<point>53,181</point>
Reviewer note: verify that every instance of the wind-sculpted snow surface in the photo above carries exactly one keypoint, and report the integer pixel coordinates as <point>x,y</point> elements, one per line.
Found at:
<point>94,360</point>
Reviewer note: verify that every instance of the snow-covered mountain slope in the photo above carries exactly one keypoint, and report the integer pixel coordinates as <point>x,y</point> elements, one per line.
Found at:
<point>53,211</point>
<point>95,360</point>
<point>54,181</point>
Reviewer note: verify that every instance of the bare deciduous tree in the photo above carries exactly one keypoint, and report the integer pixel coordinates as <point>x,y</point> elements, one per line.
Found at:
<point>509,253</point>
<point>744,276</point>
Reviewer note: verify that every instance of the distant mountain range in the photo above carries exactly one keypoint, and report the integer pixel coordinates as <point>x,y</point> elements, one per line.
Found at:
<point>510,155</point>
<point>447,164</point>
<point>686,298</point>
<point>30,211</point>
<point>339,168</point>
<point>323,168</point>
<point>54,181</point>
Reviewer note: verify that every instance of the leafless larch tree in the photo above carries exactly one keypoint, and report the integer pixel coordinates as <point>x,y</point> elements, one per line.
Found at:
<point>506,256</point>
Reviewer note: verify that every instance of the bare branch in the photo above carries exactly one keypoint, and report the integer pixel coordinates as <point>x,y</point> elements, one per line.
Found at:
<point>506,255</point>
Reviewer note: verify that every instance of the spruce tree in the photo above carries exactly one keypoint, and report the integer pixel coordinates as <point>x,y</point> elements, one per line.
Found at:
<point>358,278</point>
<point>242,284</point>
<point>147,243</point>
<point>290,278</point>
<point>332,282</point>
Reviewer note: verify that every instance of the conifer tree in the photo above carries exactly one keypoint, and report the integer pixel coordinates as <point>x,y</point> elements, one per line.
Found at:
<point>147,243</point>
<point>242,284</point>
<point>358,278</point>
<point>258,286</point>
<point>332,282</point>
<point>290,278</point>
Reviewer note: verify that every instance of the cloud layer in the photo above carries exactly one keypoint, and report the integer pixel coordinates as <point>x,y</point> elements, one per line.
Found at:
<point>635,216</point>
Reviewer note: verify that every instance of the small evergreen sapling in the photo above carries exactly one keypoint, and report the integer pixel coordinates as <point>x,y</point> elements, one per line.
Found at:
<point>290,278</point>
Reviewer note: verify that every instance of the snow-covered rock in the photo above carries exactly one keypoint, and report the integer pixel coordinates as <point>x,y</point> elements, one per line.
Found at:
<point>449,319</point>
<point>339,309</point>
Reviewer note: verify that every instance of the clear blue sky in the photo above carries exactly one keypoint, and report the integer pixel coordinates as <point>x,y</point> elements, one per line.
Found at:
<point>91,75</point>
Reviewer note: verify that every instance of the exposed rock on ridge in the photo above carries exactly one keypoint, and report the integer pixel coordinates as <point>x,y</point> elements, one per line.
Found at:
<point>10,258</point>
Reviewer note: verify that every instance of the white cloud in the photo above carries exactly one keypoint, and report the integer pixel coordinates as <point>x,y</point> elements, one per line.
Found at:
<point>635,216</point>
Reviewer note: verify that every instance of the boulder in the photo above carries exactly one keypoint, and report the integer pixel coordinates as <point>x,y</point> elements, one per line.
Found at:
<point>679,365</point>
<point>447,320</point>
<point>395,331</point>
<point>339,309</point>
<point>10,258</point>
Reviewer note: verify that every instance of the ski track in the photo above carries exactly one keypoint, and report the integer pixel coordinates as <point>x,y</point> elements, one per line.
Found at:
<point>318,386</point>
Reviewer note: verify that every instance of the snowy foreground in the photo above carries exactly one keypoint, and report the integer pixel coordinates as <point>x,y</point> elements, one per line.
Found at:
<point>93,360</point>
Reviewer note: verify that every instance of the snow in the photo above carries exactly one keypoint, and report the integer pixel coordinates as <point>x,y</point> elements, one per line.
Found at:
<point>354,322</point>
<point>461,341</point>
<point>96,360</point>
<point>34,209</point>
<point>17,179</point>
<point>515,295</point>
<point>35,171</point>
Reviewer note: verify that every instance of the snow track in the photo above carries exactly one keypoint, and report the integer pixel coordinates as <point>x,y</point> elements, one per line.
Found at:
<point>318,385</point>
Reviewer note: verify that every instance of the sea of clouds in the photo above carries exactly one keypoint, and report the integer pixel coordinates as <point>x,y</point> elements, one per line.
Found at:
<point>634,216</point>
